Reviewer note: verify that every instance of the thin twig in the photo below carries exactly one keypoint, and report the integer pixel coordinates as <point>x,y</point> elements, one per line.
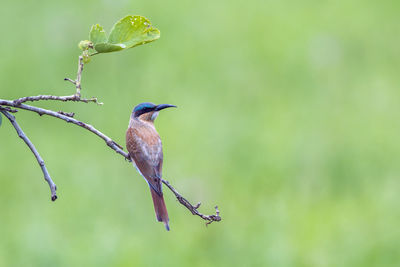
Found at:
<point>77,82</point>
<point>74,98</point>
<point>9,109</point>
<point>194,209</point>
<point>39,159</point>
<point>69,80</point>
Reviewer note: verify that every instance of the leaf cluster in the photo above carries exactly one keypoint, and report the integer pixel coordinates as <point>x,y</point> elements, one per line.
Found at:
<point>128,32</point>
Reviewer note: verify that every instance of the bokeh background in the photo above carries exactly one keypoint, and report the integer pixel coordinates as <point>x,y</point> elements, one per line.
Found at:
<point>288,120</point>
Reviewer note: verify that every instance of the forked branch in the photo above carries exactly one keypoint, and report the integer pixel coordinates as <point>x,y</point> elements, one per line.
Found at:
<point>194,209</point>
<point>75,97</point>
<point>68,118</point>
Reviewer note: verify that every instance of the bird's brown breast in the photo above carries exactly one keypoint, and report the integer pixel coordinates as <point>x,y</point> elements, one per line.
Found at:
<point>141,134</point>
<point>145,149</point>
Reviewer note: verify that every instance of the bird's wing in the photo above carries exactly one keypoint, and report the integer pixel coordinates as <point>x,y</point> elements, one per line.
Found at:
<point>145,149</point>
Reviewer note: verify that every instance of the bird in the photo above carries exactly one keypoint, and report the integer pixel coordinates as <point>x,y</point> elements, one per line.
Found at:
<point>145,150</point>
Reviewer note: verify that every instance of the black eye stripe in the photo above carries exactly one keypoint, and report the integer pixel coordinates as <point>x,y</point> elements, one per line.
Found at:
<point>143,111</point>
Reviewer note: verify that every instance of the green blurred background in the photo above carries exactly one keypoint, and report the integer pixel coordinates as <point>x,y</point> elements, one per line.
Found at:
<point>288,119</point>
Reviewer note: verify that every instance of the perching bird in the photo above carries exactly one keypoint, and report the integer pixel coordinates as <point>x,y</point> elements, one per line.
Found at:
<point>145,150</point>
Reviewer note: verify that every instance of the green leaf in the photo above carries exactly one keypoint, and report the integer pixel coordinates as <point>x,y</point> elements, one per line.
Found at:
<point>128,32</point>
<point>132,31</point>
<point>97,34</point>
<point>106,48</point>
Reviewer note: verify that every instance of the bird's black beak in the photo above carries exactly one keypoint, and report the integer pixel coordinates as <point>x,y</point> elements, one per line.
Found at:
<point>162,106</point>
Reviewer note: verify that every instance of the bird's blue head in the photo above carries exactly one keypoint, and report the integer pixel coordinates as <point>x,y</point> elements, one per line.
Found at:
<point>148,107</point>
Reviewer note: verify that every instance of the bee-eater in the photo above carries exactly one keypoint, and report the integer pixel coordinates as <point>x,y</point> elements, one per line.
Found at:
<point>145,150</point>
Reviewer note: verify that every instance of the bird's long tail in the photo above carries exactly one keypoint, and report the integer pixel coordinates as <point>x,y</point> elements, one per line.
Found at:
<point>160,208</point>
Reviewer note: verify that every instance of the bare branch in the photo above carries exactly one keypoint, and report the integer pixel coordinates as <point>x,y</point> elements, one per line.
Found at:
<point>39,159</point>
<point>74,98</point>
<point>79,76</point>
<point>42,111</point>
<point>194,209</point>
<point>77,81</point>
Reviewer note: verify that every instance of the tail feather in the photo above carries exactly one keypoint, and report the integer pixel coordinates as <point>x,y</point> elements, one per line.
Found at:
<point>160,208</point>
